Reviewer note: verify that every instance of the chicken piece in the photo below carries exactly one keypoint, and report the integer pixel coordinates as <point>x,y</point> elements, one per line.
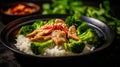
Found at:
<point>59,37</point>
<point>72,33</point>
<point>39,34</point>
<point>38,31</point>
<point>59,21</point>
<point>41,38</point>
<point>47,37</point>
<point>37,38</point>
<point>33,33</point>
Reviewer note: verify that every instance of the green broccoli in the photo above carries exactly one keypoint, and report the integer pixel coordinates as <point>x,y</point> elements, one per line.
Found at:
<point>73,20</point>
<point>38,23</point>
<point>74,46</point>
<point>89,36</point>
<point>51,21</point>
<point>24,30</point>
<point>83,27</point>
<point>38,47</point>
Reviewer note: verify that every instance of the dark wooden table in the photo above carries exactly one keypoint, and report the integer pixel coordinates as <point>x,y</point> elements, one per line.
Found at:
<point>7,58</point>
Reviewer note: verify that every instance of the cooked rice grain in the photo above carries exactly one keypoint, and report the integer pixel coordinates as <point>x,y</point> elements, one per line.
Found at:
<point>23,44</point>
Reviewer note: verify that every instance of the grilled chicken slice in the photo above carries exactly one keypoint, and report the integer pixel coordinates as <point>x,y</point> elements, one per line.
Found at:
<point>41,38</point>
<point>72,33</point>
<point>33,33</point>
<point>59,21</point>
<point>59,37</point>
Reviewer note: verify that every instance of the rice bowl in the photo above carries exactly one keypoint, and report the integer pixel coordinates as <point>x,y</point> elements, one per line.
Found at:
<point>58,38</point>
<point>9,40</point>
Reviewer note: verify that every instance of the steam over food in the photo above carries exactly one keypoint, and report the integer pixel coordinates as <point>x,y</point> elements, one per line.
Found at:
<point>57,37</point>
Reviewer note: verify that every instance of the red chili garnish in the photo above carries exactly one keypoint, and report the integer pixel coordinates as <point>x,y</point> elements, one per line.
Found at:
<point>58,27</point>
<point>51,28</point>
<point>65,30</point>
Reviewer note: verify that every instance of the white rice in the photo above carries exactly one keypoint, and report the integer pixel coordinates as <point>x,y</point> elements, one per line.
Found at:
<point>23,44</point>
<point>56,51</point>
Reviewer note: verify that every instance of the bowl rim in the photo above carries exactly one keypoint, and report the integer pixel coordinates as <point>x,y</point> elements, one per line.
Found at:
<point>40,56</point>
<point>15,3</point>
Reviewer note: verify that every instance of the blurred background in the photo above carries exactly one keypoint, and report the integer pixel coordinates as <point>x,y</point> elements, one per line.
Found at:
<point>109,12</point>
<point>113,4</point>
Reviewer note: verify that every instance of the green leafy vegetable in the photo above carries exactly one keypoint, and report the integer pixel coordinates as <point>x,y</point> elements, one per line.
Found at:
<point>90,37</point>
<point>38,23</point>
<point>74,46</point>
<point>73,20</point>
<point>51,21</point>
<point>38,47</point>
<point>83,27</point>
<point>26,29</point>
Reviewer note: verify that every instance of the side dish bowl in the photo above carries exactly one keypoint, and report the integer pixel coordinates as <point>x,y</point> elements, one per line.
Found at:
<point>7,38</point>
<point>17,10</point>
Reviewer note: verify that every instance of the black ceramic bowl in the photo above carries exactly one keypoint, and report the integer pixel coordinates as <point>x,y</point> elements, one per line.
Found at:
<point>7,38</point>
<point>17,10</point>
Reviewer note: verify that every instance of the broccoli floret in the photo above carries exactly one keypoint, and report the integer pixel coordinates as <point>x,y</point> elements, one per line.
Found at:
<point>38,47</point>
<point>25,29</point>
<point>51,21</point>
<point>38,23</point>
<point>83,27</point>
<point>89,36</point>
<point>73,20</point>
<point>74,46</point>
